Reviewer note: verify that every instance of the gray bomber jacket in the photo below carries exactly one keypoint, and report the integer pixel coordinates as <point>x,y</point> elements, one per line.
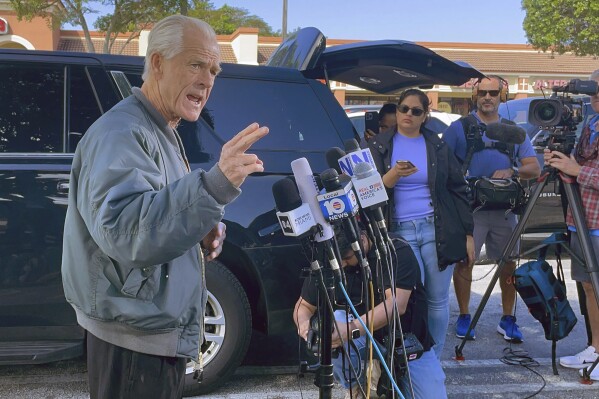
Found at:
<point>131,266</point>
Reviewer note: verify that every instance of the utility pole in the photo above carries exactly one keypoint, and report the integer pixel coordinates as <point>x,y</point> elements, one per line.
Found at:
<point>284,28</point>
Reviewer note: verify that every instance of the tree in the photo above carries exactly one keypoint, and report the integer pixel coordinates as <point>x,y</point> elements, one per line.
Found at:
<point>563,25</point>
<point>132,16</point>
<point>57,13</point>
<point>227,19</point>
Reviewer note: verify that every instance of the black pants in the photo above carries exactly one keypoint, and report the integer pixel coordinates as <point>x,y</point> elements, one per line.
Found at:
<point>115,372</point>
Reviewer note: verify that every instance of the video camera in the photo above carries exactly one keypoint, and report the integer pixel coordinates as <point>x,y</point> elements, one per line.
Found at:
<point>559,115</point>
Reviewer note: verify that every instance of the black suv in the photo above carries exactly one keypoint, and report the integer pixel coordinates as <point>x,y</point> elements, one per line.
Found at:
<point>51,98</point>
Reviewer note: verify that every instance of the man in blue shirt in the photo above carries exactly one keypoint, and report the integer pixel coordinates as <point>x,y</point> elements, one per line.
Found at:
<point>491,227</point>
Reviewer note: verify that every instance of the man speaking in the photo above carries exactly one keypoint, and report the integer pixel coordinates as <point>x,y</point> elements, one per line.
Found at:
<point>132,265</point>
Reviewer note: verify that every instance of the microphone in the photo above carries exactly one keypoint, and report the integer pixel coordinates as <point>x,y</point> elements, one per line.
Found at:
<point>354,155</point>
<point>339,205</point>
<point>371,193</point>
<point>505,133</point>
<point>338,201</point>
<point>333,155</point>
<point>306,185</point>
<point>308,191</point>
<point>294,216</point>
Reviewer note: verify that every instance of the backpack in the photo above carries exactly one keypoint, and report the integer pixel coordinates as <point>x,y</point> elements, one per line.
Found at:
<point>545,296</point>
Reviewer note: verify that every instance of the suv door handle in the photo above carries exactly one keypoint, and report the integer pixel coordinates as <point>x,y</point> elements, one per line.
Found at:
<point>62,187</point>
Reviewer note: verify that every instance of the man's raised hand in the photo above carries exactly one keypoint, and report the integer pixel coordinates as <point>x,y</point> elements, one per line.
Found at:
<point>235,164</point>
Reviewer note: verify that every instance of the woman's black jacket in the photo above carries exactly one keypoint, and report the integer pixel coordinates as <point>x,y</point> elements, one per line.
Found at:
<point>449,190</point>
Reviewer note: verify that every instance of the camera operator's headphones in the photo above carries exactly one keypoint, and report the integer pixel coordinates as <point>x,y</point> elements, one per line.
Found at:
<point>503,89</point>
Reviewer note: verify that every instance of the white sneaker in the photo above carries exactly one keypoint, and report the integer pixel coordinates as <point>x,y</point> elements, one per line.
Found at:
<point>355,393</point>
<point>375,376</point>
<point>594,373</point>
<point>581,360</point>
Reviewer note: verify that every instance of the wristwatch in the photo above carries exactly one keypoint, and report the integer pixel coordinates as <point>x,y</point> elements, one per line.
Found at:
<point>516,171</point>
<point>355,332</point>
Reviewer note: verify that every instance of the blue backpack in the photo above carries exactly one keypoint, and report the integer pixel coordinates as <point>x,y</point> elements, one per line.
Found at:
<point>545,296</point>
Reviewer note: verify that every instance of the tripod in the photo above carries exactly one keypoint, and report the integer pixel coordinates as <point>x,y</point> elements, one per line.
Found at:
<point>575,201</point>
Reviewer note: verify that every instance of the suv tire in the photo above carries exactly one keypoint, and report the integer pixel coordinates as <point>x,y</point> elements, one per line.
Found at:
<point>228,325</point>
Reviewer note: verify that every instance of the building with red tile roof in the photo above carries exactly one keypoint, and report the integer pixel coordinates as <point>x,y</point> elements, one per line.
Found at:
<point>527,70</point>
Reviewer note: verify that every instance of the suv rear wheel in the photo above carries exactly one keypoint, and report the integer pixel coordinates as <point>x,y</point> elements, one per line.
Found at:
<point>228,330</point>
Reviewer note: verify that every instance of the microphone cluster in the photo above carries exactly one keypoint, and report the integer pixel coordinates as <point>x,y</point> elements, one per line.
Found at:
<point>352,197</point>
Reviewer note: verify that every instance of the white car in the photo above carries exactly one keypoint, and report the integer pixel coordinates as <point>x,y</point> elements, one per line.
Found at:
<point>438,121</point>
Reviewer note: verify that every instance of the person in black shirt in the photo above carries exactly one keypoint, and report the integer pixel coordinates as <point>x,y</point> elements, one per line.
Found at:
<point>428,378</point>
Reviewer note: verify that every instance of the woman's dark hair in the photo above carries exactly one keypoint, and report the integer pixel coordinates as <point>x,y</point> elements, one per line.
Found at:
<point>418,93</point>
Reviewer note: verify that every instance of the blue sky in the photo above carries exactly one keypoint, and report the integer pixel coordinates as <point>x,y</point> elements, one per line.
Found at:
<point>482,21</point>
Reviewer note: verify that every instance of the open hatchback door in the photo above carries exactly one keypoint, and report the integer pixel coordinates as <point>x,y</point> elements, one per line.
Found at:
<point>381,66</point>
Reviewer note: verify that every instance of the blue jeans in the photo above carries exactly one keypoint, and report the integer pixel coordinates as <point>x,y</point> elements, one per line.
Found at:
<point>420,234</point>
<point>428,378</point>
<point>357,352</point>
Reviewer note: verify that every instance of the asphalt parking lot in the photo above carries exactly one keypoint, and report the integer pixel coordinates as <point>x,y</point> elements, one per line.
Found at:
<point>482,375</point>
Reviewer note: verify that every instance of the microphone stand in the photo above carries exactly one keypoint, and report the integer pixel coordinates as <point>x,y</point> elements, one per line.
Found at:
<point>325,380</point>
<point>325,283</point>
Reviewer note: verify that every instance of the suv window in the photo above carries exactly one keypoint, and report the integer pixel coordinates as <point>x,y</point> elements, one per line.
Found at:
<point>31,118</point>
<point>84,106</point>
<point>294,123</point>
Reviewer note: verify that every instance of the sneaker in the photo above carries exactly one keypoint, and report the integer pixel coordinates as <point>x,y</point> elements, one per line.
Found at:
<point>355,393</point>
<point>594,373</point>
<point>461,326</point>
<point>509,329</point>
<point>374,377</point>
<point>580,360</point>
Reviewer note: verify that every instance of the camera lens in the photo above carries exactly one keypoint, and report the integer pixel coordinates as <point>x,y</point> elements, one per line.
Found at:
<point>546,112</point>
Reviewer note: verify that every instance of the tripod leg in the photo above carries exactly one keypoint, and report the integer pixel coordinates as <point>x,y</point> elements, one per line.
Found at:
<point>582,300</point>
<point>505,257</point>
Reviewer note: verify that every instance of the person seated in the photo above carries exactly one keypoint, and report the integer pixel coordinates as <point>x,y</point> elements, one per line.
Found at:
<point>406,293</point>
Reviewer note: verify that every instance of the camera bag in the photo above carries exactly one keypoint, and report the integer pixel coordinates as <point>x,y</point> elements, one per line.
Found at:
<point>545,296</point>
<point>488,193</point>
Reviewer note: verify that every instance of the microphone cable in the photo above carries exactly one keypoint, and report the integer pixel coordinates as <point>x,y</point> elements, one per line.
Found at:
<point>379,354</point>
<point>520,357</point>
<point>334,320</point>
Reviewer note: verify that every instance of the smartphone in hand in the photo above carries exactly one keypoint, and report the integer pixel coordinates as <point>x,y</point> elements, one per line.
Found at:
<point>371,121</point>
<point>410,164</point>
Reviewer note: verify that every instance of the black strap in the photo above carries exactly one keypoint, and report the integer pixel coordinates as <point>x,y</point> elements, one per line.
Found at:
<point>474,142</point>
<point>553,363</point>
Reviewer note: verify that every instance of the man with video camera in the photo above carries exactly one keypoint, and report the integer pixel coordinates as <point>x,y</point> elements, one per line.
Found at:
<point>492,227</point>
<point>583,165</point>
<point>428,378</point>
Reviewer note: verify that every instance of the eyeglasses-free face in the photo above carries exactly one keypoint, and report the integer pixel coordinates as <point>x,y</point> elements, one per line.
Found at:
<point>483,93</point>
<point>415,111</point>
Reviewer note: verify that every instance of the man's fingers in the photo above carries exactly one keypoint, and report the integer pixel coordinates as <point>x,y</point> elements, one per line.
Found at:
<point>249,129</point>
<point>244,139</point>
<point>557,154</point>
